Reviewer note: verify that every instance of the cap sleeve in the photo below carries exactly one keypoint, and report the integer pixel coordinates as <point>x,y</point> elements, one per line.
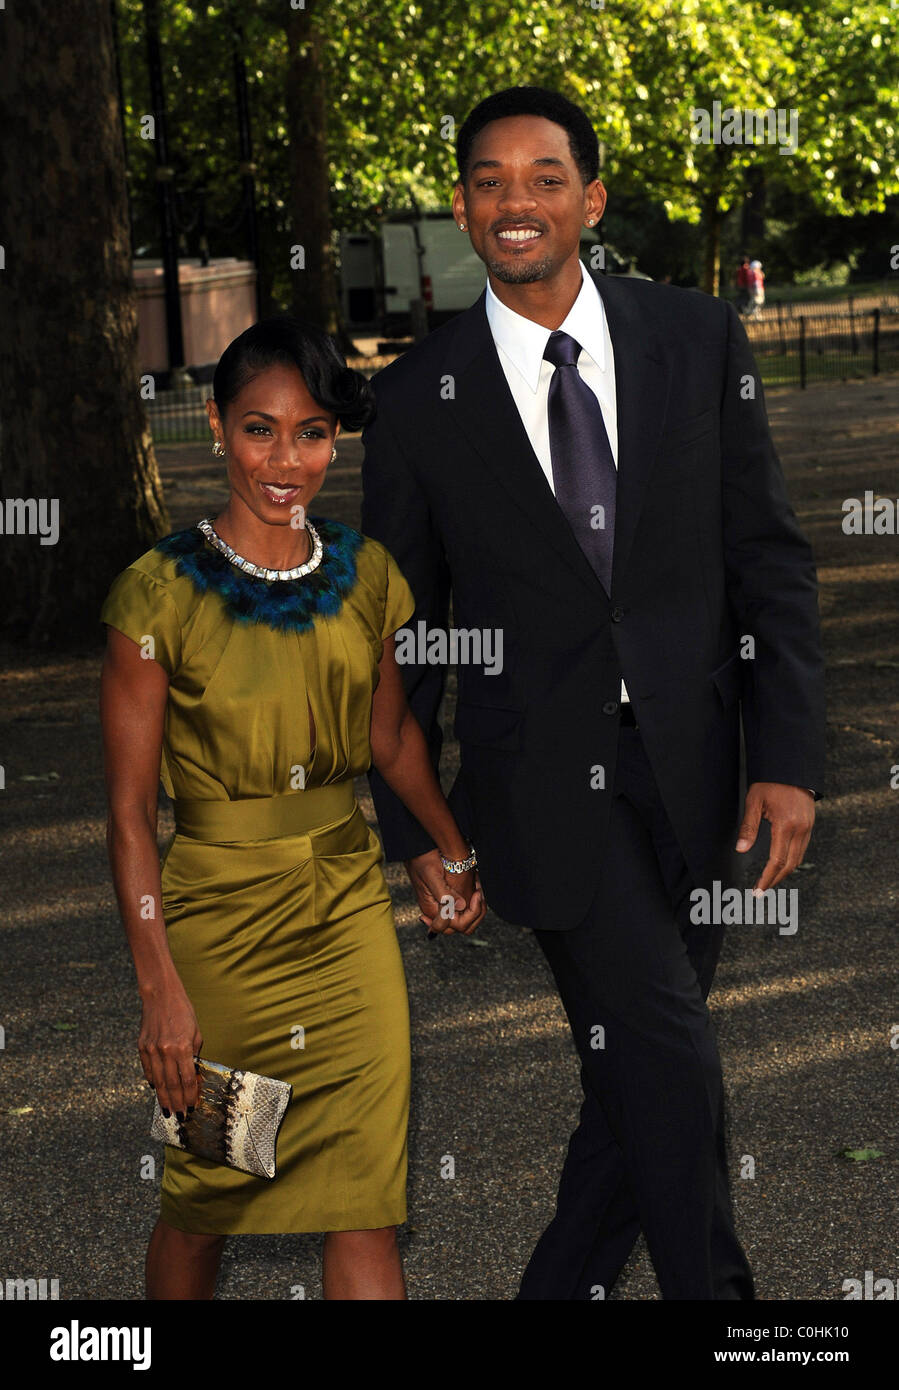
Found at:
<point>145,611</point>
<point>399,603</point>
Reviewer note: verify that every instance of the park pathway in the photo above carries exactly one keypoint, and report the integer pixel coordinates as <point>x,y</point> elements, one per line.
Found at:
<point>804,1021</point>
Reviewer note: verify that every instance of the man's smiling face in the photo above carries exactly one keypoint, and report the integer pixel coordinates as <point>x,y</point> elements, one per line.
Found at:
<point>524,199</point>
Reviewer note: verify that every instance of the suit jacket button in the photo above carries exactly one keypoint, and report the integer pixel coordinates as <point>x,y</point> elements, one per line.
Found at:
<point>610,707</point>
<point>617,615</point>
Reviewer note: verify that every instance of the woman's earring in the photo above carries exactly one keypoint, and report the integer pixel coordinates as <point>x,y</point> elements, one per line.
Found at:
<point>218,448</point>
<point>333,455</point>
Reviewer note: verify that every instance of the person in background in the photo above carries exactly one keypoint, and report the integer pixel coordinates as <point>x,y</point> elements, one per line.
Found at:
<point>757,290</point>
<point>742,280</point>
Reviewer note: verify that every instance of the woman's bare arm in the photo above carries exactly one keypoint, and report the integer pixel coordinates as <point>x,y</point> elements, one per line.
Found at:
<point>400,754</point>
<point>133,696</point>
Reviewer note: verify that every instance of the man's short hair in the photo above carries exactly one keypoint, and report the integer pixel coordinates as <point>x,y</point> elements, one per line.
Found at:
<point>533,101</point>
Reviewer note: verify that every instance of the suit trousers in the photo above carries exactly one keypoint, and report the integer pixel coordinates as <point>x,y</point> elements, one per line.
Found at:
<point>649,1150</point>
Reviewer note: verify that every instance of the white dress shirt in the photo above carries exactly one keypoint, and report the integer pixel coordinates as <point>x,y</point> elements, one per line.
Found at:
<point>521,343</point>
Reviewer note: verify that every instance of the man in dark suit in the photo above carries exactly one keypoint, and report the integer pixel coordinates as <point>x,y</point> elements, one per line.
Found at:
<point>585,465</point>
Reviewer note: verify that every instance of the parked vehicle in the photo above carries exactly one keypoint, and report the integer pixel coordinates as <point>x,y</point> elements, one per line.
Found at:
<point>424,257</point>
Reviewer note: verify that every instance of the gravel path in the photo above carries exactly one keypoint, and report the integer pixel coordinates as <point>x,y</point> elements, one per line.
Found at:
<point>804,1021</point>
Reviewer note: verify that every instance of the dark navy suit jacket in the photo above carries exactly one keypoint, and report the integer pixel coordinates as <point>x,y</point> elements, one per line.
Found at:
<point>707,551</point>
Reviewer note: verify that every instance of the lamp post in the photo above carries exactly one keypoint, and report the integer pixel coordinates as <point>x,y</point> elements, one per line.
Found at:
<point>245,147</point>
<point>165,200</point>
<point>121,95</point>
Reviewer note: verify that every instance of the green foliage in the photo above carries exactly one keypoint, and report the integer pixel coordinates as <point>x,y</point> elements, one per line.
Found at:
<point>820,275</point>
<point>396,70</point>
<point>862,1155</point>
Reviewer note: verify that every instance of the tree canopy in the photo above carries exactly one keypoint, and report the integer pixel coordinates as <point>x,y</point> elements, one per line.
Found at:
<point>401,76</point>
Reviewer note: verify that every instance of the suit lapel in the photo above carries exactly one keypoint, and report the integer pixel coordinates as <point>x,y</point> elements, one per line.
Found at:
<point>642,384</point>
<point>486,412</point>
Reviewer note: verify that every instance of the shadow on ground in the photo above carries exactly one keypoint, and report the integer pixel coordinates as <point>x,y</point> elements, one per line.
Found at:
<point>804,1021</point>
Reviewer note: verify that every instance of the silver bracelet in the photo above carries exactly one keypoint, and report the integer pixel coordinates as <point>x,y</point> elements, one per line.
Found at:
<point>460,866</point>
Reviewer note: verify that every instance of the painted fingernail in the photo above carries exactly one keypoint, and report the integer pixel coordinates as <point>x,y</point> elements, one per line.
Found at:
<point>196,1066</point>
<point>179,1114</point>
<point>167,1113</point>
<point>191,1109</point>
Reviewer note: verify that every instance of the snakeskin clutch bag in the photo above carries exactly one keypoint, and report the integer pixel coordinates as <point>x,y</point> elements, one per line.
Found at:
<point>236,1120</point>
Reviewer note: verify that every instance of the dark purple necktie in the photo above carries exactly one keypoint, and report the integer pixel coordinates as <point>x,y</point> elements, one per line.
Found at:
<point>584,471</point>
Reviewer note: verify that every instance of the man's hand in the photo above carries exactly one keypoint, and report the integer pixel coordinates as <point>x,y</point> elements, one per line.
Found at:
<point>791,811</point>
<point>432,883</point>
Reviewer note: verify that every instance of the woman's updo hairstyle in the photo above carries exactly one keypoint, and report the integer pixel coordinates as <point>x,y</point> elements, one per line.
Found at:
<point>291,342</point>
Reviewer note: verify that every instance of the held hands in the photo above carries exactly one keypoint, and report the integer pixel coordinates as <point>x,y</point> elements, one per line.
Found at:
<point>791,811</point>
<point>169,1040</point>
<point>448,902</point>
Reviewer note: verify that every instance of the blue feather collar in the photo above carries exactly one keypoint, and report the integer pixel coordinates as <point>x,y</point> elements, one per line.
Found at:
<point>287,605</point>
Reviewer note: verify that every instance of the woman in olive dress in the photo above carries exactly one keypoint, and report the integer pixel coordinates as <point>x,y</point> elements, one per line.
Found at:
<point>250,664</point>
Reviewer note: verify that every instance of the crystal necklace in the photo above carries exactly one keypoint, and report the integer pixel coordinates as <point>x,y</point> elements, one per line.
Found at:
<point>260,571</point>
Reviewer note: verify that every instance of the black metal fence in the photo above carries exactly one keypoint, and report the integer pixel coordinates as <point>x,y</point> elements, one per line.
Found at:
<point>792,349</point>
<point>795,349</point>
<point>179,415</point>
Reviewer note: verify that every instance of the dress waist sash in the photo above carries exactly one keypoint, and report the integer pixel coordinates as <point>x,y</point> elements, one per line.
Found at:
<point>264,817</point>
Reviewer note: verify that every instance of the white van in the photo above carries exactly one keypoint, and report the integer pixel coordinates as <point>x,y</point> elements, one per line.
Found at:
<point>421,256</point>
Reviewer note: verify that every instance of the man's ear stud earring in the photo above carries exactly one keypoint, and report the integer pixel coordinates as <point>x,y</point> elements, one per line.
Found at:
<point>461,226</point>
<point>218,448</point>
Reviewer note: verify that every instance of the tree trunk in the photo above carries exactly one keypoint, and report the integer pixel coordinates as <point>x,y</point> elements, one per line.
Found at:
<point>314,287</point>
<point>74,432</point>
<point>752,213</point>
<point>712,220</point>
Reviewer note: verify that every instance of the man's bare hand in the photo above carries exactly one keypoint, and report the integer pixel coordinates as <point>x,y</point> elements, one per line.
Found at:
<point>791,811</point>
<point>447,902</point>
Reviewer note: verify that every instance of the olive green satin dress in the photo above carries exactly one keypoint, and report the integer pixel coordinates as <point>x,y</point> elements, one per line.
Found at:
<point>277,912</point>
